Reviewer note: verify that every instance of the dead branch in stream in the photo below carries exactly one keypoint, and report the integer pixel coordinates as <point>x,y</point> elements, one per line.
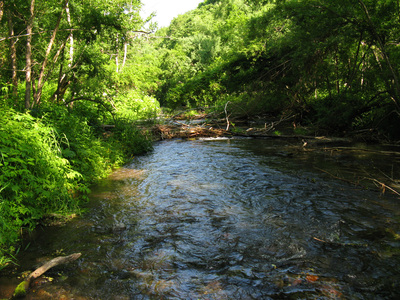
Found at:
<point>382,186</point>
<point>227,116</point>
<point>185,131</point>
<point>340,244</point>
<point>340,178</point>
<point>23,287</point>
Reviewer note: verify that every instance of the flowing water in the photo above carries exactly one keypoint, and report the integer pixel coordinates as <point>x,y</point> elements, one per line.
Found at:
<point>231,219</point>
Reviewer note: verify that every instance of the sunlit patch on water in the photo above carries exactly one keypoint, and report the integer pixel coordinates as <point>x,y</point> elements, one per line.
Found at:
<point>231,219</point>
<point>126,174</point>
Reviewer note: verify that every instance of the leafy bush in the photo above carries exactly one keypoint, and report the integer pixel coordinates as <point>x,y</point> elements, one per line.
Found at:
<point>34,179</point>
<point>133,105</point>
<point>129,139</point>
<point>47,163</point>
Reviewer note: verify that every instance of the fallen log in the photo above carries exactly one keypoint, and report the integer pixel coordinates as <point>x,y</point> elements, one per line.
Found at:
<point>23,287</point>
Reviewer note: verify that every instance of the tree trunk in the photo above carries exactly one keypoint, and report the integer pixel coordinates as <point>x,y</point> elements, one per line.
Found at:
<point>13,56</point>
<point>125,52</point>
<point>337,81</point>
<point>63,78</point>
<point>117,63</point>
<point>116,57</point>
<point>61,75</point>
<point>28,76</point>
<point>41,81</point>
<point>353,69</point>
<point>62,85</point>
<point>71,37</point>
<point>1,9</point>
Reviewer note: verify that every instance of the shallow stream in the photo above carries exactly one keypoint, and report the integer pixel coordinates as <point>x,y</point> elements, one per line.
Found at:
<point>231,219</point>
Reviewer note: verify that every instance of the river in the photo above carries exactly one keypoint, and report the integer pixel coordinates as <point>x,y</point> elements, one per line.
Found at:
<point>231,219</point>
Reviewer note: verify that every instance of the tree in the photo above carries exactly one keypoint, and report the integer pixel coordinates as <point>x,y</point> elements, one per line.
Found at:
<point>51,27</point>
<point>29,31</point>
<point>332,62</point>
<point>1,9</point>
<point>13,56</point>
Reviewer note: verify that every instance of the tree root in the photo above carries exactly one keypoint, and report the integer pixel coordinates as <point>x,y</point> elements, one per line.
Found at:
<point>22,289</point>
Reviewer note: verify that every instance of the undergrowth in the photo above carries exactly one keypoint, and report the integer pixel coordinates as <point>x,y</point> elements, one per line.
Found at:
<point>47,163</point>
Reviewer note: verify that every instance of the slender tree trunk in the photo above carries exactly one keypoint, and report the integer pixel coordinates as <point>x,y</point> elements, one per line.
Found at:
<point>1,9</point>
<point>62,85</point>
<point>117,63</point>
<point>13,56</point>
<point>28,76</point>
<point>71,37</point>
<point>61,75</point>
<point>40,83</point>
<point>125,52</point>
<point>116,57</point>
<point>63,78</point>
<point>337,73</point>
<point>353,69</point>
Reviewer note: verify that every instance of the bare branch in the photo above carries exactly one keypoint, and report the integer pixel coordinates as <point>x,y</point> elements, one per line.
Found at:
<point>23,287</point>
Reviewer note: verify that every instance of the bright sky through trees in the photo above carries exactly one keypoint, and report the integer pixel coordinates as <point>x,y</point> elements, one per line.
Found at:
<point>166,10</point>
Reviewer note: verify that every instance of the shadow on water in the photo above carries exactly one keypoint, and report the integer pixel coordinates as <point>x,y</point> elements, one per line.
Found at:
<point>231,219</point>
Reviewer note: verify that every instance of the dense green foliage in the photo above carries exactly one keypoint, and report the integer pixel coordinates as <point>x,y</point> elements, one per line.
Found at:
<point>331,63</point>
<point>35,177</point>
<point>73,118</point>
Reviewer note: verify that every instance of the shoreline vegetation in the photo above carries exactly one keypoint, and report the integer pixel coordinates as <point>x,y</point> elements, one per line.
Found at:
<point>78,83</point>
<point>47,168</point>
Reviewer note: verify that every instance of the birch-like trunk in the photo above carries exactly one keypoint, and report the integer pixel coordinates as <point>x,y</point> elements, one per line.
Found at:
<point>125,52</point>
<point>28,74</point>
<point>1,9</point>
<point>13,56</point>
<point>116,57</point>
<point>71,37</point>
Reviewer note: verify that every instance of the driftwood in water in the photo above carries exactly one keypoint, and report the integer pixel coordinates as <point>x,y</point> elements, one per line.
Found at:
<point>23,287</point>
<point>181,130</point>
